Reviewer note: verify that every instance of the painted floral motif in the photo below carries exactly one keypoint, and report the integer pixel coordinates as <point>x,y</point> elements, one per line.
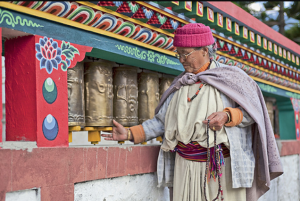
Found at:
<point>69,52</point>
<point>150,56</point>
<point>148,12</point>
<point>50,55</point>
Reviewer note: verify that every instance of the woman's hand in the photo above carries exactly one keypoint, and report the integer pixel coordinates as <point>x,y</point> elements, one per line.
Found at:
<point>217,120</point>
<point>118,133</point>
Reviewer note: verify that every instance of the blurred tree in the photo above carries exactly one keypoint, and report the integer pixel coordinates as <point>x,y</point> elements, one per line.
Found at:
<point>244,5</point>
<point>294,32</point>
<point>293,11</point>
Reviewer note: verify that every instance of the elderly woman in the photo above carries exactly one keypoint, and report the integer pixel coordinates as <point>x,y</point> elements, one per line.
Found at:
<point>218,142</point>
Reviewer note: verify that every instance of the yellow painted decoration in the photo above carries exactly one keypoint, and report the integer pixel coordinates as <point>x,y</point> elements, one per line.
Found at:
<point>144,143</point>
<point>273,84</point>
<point>94,137</point>
<point>280,51</point>
<point>71,129</point>
<point>245,32</point>
<point>176,2</point>
<point>275,49</point>
<point>210,14</point>
<point>252,37</point>
<point>253,52</point>
<point>284,53</point>
<point>70,136</point>
<point>86,3</point>
<point>264,70</point>
<point>258,40</point>
<point>74,128</point>
<point>289,55</point>
<point>220,20</point>
<point>162,12</point>
<point>228,24</point>
<point>265,43</point>
<point>121,142</point>
<point>270,46</point>
<point>51,17</point>
<point>236,28</point>
<point>199,9</point>
<point>297,60</point>
<point>188,5</point>
<point>293,58</point>
<point>159,139</point>
<point>78,25</point>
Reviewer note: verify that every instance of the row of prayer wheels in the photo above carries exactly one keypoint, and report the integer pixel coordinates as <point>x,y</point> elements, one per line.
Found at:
<point>99,92</point>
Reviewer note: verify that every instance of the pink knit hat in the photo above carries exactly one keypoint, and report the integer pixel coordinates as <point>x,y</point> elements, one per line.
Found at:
<point>193,35</point>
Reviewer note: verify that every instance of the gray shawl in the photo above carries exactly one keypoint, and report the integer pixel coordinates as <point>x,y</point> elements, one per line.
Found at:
<point>242,89</point>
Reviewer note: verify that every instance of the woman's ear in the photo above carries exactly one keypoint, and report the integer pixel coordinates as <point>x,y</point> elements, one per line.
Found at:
<point>204,51</point>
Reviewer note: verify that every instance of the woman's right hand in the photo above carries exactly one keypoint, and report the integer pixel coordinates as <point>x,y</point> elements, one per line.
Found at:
<point>118,133</point>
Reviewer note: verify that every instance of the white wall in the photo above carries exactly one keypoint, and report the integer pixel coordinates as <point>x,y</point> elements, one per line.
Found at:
<point>24,195</point>
<point>286,187</point>
<point>133,188</point>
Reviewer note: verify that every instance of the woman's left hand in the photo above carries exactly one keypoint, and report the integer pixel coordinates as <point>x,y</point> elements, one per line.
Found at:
<point>217,120</point>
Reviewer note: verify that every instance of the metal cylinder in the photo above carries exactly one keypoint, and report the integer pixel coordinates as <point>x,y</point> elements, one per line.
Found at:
<point>148,96</point>
<point>126,95</point>
<point>98,93</point>
<point>164,84</point>
<point>76,95</point>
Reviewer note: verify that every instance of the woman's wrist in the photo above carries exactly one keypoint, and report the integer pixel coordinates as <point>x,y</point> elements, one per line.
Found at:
<point>129,135</point>
<point>229,119</point>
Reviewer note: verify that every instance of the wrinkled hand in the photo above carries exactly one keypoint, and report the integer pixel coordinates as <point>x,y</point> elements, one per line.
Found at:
<point>118,133</point>
<point>217,120</point>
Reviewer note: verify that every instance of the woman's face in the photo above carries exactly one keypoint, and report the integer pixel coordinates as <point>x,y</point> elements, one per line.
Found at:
<point>195,60</point>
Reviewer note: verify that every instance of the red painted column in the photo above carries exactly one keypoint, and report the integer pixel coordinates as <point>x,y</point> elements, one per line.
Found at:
<point>36,88</point>
<point>1,116</point>
<point>36,101</point>
<point>20,89</point>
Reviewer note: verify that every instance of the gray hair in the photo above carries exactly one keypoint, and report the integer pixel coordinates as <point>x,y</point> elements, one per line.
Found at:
<point>212,49</point>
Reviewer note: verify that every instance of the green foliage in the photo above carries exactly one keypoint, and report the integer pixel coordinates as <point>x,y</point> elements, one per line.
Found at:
<point>292,12</point>
<point>293,33</point>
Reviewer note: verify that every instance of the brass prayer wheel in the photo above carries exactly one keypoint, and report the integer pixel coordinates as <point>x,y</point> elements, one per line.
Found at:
<point>164,83</point>
<point>98,93</point>
<point>148,96</point>
<point>76,95</point>
<point>125,95</point>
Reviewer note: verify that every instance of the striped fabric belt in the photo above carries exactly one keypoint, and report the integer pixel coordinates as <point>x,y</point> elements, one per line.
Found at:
<point>194,152</point>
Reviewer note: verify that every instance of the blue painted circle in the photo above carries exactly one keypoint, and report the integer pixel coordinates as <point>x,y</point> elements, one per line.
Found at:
<point>50,127</point>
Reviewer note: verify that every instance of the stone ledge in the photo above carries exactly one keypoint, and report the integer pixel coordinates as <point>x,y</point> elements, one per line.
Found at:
<point>288,147</point>
<point>52,168</point>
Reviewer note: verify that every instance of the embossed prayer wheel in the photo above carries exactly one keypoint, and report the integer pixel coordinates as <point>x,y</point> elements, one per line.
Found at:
<point>148,84</point>
<point>126,95</point>
<point>164,83</point>
<point>76,95</point>
<point>98,93</point>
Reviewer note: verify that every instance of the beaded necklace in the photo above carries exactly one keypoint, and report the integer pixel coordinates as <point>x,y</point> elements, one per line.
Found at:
<point>197,92</point>
<point>217,150</point>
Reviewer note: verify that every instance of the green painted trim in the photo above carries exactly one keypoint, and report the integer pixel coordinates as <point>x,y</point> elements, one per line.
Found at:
<point>12,20</point>
<point>122,59</point>
<point>265,88</point>
<point>287,127</point>
<point>111,48</point>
